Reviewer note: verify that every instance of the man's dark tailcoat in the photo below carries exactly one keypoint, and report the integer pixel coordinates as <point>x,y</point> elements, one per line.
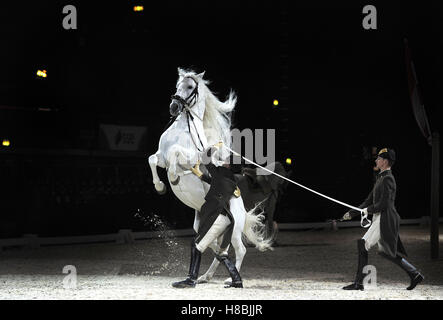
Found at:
<point>222,186</point>
<point>382,200</point>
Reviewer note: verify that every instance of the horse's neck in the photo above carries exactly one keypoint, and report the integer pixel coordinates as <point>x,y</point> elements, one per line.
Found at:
<point>214,137</point>
<point>198,111</point>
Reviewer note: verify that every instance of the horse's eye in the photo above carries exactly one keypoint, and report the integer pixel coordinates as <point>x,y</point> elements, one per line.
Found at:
<point>189,87</point>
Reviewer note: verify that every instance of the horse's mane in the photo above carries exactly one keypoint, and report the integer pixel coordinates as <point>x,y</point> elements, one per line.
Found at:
<point>217,117</point>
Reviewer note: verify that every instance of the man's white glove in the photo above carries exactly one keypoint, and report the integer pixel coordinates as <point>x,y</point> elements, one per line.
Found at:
<point>211,154</point>
<point>218,145</point>
<point>347,216</point>
<point>217,155</point>
<point>364,216</point>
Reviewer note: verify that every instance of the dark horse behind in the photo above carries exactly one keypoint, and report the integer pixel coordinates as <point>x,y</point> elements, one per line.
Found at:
<point>264,189</point>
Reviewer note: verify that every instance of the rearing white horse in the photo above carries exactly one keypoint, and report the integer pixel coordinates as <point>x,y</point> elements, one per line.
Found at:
<point>202,121</point>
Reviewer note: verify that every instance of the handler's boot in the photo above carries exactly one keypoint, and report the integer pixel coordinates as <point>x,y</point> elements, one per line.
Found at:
<point>415,276</point>
<point>194,267</point>
<point>233,272</point>
<point>362,262</point>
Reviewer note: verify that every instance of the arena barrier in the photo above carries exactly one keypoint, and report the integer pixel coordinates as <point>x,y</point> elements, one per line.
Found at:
<point>127,236</point>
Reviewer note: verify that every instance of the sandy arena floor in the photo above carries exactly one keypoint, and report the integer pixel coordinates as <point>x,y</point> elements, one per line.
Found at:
<point>310,265</point>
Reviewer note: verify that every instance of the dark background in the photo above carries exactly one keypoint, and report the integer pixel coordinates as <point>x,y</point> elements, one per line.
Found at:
<point>342,90</point>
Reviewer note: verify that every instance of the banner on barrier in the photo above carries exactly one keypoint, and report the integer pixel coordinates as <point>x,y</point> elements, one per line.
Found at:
<point>122,138</point>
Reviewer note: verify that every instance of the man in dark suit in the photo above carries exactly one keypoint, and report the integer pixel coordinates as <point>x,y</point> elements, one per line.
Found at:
<point>384,229</point>
<point>215,216</point>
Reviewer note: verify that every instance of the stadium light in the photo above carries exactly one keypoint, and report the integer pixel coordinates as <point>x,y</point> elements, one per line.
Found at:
<point>6,143</point>
<point>275,102</point>
<point>138,8</point>
<point>288,161</point>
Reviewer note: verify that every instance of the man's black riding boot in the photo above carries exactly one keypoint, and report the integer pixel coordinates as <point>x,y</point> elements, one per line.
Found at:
<point>194,267</point>
<point>415,276</point>
<point>362,262</point>
<point>233,272</point>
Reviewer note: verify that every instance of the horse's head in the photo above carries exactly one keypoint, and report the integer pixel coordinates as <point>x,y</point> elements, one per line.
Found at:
<point>187,92</point>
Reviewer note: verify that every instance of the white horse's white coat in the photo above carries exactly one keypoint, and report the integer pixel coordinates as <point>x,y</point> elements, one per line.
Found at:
<point>180,149</point>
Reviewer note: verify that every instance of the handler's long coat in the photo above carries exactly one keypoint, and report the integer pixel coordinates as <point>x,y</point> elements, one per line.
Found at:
<point>222,185</point>
<point>382,200</point>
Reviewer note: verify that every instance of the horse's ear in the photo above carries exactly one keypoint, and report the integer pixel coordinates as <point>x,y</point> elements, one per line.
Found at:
<point>200,75</point>
<point>181,72</point>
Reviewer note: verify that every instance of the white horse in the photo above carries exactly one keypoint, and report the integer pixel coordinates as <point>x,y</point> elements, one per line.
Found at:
<point>202,121</point>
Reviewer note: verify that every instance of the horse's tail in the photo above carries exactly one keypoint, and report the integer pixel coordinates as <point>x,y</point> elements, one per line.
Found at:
<point>255,230</point>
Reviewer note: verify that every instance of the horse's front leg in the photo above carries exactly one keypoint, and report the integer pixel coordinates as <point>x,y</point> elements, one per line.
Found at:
<point>179,156</point>
<point>156,160</point>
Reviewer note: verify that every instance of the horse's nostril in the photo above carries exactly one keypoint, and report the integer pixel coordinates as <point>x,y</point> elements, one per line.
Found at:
<point>173,108</point>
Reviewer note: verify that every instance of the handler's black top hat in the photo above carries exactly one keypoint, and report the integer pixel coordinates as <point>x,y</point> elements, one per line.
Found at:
<point>387,153</point>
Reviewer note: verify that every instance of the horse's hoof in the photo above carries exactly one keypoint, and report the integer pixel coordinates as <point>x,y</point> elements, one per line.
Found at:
<point>160,188</point>
<point>228,281</point>
<point>202,280</point>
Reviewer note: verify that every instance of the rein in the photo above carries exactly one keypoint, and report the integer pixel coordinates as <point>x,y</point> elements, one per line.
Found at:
<point>171,120</point>
<point>189,115</point>
<point>364,216</point>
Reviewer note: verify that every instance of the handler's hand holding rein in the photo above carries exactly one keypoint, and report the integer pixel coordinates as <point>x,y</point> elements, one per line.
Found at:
<point>346,216</point>
<point>213,154</point>
<point>364,216</point>
<point>364,221</point>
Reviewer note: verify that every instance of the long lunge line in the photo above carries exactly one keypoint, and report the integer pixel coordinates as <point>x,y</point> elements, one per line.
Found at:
<point>363,214</point>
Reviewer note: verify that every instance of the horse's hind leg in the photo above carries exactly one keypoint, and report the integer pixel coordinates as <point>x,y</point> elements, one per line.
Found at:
<point>240,251</point>
<point>210,273</point>
<point>213,267</point>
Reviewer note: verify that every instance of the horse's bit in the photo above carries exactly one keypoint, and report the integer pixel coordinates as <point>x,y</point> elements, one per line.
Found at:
<point>192,97</point>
